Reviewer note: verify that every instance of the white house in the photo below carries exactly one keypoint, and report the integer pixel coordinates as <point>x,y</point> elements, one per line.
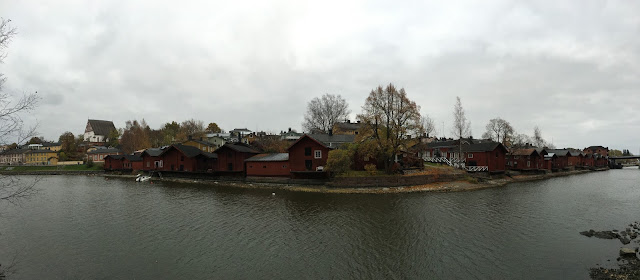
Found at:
<point>97,131</point>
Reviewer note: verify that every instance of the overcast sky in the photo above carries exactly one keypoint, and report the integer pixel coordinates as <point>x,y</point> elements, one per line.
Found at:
<point>570,67</point>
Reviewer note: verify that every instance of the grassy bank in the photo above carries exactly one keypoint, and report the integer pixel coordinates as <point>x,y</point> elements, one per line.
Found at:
<point>27,168</point>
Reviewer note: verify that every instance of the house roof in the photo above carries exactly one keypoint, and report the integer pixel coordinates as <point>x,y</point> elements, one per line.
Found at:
<point>154,152</point>
<point>348,125</point>
<point>559,152</point>
<point>41,151</point>
<point>132,157</point>
<point>210,155</point>
<point>101,127</point>
<point>333,140</point>
<point>240,147</point>
<point>188,151</point>
<point>50,144</point>
<point>104,151</point>
<point>523,152</point>
<point>200,142</point>
<point>483,147</point>
<point>269,157</point>
<point>15,151</point>
<point>116,157</point>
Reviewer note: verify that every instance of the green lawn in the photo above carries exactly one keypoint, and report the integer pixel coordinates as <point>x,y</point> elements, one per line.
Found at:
<point>81,167</point>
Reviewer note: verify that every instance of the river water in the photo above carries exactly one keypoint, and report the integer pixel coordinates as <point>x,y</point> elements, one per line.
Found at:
<point>80,227</point>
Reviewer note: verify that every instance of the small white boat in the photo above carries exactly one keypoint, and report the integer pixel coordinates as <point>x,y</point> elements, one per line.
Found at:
<point>142,178</point>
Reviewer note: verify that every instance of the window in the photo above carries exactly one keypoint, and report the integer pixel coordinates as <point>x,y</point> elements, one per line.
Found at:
<point>528,164</point>
<point>428,154</point>
<point>470,155</point>
<point>148,163</point>
<point>161,163</point>
<point>264,166</point>
<point>317,154</point>
<point>284,166</point>
<point>101,157</point>
<point>307,151</point>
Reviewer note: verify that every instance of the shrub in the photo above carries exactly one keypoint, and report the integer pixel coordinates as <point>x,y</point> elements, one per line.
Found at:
<point>372,169</point>
<point>89,163</point>
<point>339,161</point>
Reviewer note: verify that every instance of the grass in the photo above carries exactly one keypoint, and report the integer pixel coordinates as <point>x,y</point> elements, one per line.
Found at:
<point>23,168</point>
<point>354,173</point>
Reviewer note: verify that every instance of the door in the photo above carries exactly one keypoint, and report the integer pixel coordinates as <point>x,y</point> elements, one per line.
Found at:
<point>308,164</point>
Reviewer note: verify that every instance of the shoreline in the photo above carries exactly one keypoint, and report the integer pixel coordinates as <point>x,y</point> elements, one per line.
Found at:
<point>446,186</point>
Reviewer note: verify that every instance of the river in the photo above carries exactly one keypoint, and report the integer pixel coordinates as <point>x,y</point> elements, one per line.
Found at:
<point>82,227</point>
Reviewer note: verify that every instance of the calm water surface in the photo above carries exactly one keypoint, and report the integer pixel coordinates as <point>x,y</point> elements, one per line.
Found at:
<point>92,228</point>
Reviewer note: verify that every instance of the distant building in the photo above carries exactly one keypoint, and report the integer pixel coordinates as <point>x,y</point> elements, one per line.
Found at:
<point>98,155</point>
<point>41,157</point>
<point>347,127</point>
<point>97,131</point>
<point>598,150</point>
<point>13,156</point>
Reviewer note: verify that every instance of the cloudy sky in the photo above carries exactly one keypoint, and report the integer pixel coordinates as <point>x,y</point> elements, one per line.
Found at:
<point>570,67</point>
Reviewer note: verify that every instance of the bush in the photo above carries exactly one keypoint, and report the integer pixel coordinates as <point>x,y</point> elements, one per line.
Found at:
<point>372,169</point>
<point>339,161</point>
<point>89,163</point>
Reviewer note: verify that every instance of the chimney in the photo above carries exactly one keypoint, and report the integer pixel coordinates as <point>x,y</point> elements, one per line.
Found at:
<point>348,121</point>
<point>289,129</point>
<point>330,132</point>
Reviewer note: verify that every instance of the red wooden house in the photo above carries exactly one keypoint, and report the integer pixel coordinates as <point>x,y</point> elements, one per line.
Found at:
<point>526,159</point>
<point>573,159</point>
<point>268,165</point>
<point>178,157</point>
<point>308,154</point>
<point>599,150</point>
<point>588,160</point>
<point>151,159</point>
<point>231,156</point>
<point>562,162</point>
<point>486,153</point>
<point>132,162</point>
<point>113,162</point>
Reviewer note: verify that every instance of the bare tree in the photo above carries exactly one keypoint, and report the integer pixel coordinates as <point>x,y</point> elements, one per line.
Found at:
<point>323,112</point>
<point>499,130</point>
<point>135,136</point>
<point>12,188</point>
<point>192,127</point>
<point>537,137</point>
<point>461,126</point>
<point>428,125</point>
<point>389,116</point>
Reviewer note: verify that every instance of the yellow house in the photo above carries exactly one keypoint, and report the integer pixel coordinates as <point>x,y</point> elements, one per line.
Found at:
<point>41,157</point>
<point>202,145</point>
<point>53,146</point>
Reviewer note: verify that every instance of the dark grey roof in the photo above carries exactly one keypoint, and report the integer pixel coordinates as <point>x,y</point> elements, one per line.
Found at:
<point>210,155</point>
<point>50,144</point>
<point>15,151</point>
<point>240,147</point>
<point>133,157</point>
<point>116,157</point>
<point>40,151</point>
<point>269,157</point>
<point>348,125</point>
<point>104,151</point>
<point>202,142</point>
<point>154,152</point>
<point>481,147</point>
<point>333,140</point>
<point>101,127</point>
<point>188,151</point>
<point>559,152</point>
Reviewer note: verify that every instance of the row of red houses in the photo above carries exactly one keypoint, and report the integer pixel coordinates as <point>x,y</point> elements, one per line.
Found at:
<point>307,157</point>
<point>493,157</point>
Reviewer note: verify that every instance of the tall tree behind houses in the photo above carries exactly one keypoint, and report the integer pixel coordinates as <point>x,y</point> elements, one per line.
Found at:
<point>389,116</point>
<point>322,113</point>
<point>135,136</point>
<point>461,126</point>
<point>499,130</point>
<point>192,127</point>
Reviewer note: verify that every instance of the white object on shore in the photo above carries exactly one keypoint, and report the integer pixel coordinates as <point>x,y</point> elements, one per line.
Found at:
<point>142,178</point>
<point>273,193</point>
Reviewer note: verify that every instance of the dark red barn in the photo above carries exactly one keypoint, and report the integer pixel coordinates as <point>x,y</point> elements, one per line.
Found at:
<point>268,165</point>
<point>231,156</point>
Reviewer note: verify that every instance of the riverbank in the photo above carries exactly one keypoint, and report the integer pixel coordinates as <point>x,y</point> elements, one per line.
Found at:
<point>453,183</point>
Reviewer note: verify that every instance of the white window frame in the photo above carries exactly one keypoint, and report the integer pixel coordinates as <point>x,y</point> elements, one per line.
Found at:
<point>317,154</point>
<point>470,155</point>
<point>528,163</point>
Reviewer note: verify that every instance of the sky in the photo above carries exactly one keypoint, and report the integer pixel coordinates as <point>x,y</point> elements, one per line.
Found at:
<point>570,67</point>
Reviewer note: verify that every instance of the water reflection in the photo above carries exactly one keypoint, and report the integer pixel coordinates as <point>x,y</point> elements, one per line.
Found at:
<point>89,227</point>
